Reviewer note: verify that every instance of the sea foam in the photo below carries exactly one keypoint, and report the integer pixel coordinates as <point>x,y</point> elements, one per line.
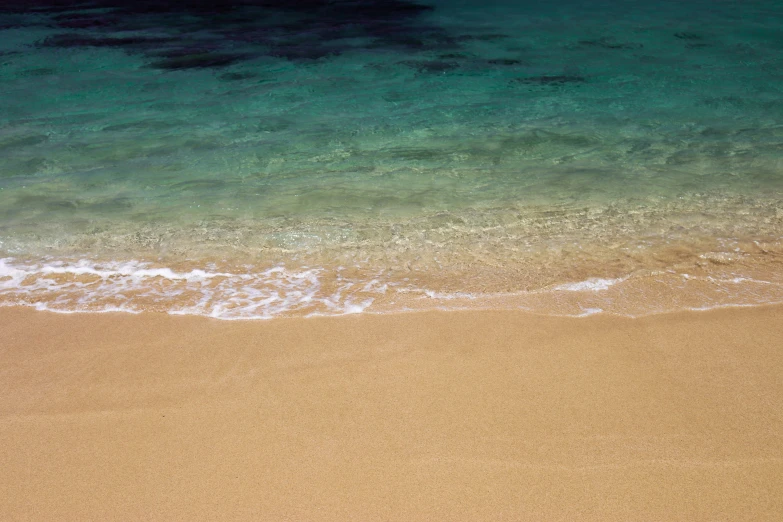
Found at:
<point>86,285</point>
<point>133,286</point>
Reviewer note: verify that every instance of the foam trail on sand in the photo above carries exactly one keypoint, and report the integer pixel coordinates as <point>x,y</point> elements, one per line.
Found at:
<point>134,286</point>
<point>594,284</point>
<point>278,291</point>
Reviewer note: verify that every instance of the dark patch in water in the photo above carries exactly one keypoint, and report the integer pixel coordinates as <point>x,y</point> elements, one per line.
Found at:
<point>606,43</point>
<point>71,40</point>
<point>417,154</point>
<point>394,38</point>
<point>480,37</point>
<point>84,21</point>
<point>145,125</point>
<point>430,66</point>
<point>62,204</point>
<point>184,50</point>
<point>197,61</point>
<point>197,184</point>
<point>274,124</point>
<point>504,61</point>
<point>38,6</point>
<point>3,27</point>
<point>37,72</point>
<point>120,203</point>
<point>237,76</point>
<point>301,30</point>
<point>552,81</point>
<point>23,141</point>
<point>688,36</point>
<point>302,53</point>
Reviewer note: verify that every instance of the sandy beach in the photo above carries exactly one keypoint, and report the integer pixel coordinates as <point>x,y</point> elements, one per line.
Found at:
<point>419,416</point>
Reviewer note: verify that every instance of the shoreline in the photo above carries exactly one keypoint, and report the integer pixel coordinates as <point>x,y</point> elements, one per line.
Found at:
<point>446,415</point>
<point>717,280</point>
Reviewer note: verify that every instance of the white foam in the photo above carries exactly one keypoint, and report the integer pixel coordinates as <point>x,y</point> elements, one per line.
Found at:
<point>449,296</point>
<point>592,285</point>
<point>43,307</point>
<point>589,311</point>
<point>134,286</point>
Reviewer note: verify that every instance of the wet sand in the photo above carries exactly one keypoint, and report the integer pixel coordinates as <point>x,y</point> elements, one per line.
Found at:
<point>419,416</point>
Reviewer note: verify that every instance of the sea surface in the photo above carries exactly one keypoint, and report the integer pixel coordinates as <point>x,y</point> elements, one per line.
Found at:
<point>263,158</point>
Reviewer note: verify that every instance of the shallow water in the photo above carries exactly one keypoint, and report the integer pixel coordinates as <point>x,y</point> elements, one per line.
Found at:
<point>319,158</point>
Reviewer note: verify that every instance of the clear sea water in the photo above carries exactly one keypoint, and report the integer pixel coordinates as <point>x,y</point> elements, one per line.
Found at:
<point>262,158</point>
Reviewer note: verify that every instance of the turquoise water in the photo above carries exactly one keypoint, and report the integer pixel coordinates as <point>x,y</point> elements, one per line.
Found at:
<point>260,158</point>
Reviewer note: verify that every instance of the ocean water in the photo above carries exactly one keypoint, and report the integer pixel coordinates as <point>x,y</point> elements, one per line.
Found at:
<point>261,158</point>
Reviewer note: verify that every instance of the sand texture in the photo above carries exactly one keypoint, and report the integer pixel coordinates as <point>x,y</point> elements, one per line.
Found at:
<point>420,416</point>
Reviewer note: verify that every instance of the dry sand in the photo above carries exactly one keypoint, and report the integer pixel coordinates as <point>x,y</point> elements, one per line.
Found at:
<point>421,416</point>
